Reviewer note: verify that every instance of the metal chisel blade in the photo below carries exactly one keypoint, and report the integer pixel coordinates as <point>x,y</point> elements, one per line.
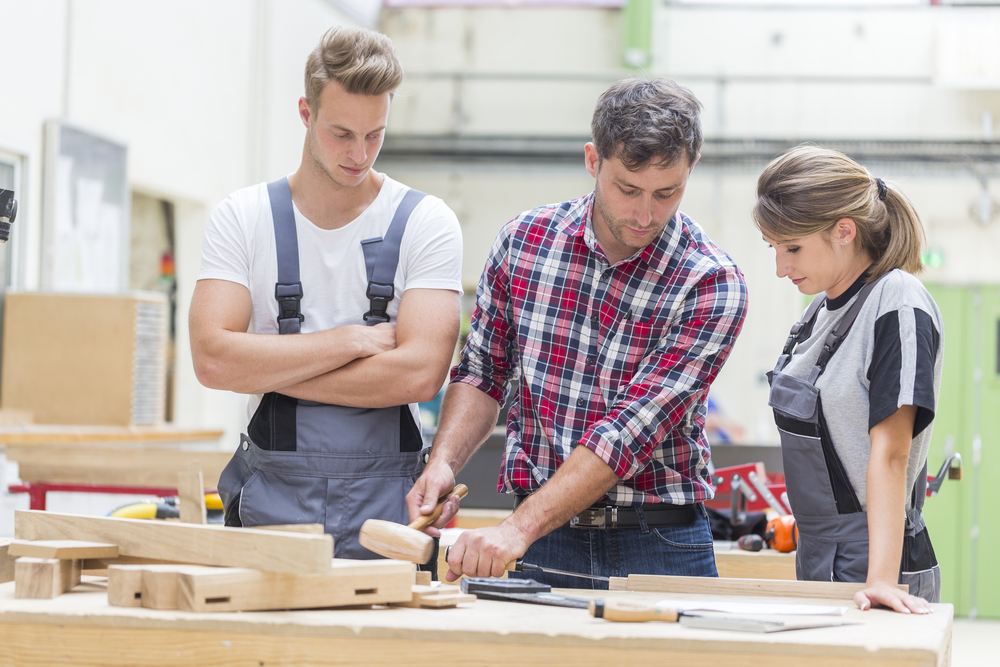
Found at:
<point>521,567</point>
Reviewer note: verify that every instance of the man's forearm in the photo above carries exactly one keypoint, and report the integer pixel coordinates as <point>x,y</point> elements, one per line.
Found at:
<point>426,332</point>
<point>249,363</point>
<point>466,419</point>
<point>579,482</point>
<point>396,377</point>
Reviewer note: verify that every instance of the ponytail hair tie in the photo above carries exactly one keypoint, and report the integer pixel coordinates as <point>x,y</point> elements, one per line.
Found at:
<point>882,189</point>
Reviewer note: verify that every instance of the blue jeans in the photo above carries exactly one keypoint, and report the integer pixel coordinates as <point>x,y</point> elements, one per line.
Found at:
<point>619,552</point>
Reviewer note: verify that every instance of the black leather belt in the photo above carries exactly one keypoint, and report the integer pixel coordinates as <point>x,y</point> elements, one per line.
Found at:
<point>628,516</point>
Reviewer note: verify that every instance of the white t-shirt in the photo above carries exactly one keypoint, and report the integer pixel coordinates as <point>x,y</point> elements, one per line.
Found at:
<point>239,247</point>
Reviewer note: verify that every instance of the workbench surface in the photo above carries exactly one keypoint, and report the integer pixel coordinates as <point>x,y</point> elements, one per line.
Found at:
<point>80,628</point>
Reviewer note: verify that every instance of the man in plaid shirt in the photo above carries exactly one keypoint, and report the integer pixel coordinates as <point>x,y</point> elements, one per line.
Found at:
<point>616,311</point>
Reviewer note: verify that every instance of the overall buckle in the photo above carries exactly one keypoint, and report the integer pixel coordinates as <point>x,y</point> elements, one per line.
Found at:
<point>379,294</point>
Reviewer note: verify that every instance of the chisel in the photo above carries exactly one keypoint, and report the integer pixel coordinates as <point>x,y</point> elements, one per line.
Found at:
<point>520,566</point>
<point>624,611</point>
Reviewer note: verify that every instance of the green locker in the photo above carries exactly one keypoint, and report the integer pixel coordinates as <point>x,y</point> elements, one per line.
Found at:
<point>964,527</point>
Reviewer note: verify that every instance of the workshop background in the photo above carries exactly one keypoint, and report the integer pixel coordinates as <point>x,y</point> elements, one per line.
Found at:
<point>174,105</point>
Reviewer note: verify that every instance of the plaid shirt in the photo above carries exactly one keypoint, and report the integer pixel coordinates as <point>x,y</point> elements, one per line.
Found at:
<point>617,359</point>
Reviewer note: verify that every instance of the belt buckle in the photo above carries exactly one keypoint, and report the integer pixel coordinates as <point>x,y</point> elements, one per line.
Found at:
<point>595,518</point>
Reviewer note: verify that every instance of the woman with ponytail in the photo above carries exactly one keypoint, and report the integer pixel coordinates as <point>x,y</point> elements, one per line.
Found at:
<point>854,411</point>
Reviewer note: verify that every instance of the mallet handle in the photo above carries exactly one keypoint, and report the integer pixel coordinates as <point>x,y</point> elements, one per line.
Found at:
<point>460,490</point>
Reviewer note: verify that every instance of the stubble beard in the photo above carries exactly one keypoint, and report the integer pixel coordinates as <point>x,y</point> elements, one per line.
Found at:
<point>617,226</point>
<point>322,167</point>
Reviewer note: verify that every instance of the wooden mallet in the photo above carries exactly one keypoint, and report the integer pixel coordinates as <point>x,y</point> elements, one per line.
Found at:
<point>394,540</point>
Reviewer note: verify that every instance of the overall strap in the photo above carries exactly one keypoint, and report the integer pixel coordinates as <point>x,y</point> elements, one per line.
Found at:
<point>800,331</point>
<point>382,257</point>
<point>288,289</point>
<point>839,333</point>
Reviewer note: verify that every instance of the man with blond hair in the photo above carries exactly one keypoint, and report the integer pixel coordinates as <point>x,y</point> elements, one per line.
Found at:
<point>332,298</point>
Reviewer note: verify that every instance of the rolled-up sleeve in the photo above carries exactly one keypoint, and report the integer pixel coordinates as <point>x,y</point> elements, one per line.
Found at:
<point>490,352</point>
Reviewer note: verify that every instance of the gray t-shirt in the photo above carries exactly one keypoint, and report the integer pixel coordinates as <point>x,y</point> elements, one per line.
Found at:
<point>891,358</point>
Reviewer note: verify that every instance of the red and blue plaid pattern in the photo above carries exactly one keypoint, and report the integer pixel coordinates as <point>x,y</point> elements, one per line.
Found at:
<point>617,359</point>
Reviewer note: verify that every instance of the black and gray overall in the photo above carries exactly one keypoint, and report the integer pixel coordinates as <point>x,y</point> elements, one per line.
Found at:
<point>307,462</point>
<point>833,526</point>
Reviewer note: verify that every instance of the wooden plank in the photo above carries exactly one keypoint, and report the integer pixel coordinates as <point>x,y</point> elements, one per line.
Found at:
<point>191,496</point>
<point>49,434</point>
<point>618,584</point>
<point>436,597</point>
<point>348,583</point>
<point>478,518</point>
<point>63,549</point>
<point>130,465</point>
<point>6,562</point>
<point>188,543</point>
<point>309,528</point>
<point>422,578</point>
<point>755,587</point>
<point>100,565</point>
<point>44,578</point>
<point>766,564</point>
<point>15,417</point>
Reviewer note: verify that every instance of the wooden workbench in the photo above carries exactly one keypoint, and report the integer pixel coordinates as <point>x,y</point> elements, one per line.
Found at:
<point>116,455</point>
<point>79,628</point>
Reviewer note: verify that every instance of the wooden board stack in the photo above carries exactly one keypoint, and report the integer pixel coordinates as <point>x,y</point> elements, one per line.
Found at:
<point>200,568</point>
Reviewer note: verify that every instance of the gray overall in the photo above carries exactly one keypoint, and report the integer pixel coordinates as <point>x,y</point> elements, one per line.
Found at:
<point>833,527</point>
<point>307,462</point>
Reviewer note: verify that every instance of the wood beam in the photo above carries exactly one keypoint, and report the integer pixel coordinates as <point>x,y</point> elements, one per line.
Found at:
<point>187,543</point>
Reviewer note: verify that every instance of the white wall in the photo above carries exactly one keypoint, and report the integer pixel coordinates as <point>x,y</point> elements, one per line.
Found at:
<point>203,93</point>
<point>864,72</point>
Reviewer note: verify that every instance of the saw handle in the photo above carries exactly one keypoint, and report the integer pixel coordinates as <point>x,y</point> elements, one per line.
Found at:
<point>460,490</point>
<point>625,611</point>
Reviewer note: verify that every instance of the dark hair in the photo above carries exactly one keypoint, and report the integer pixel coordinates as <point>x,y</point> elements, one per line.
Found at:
<point>809,188</point>
<point>647,121</point>
<point>363,61</point>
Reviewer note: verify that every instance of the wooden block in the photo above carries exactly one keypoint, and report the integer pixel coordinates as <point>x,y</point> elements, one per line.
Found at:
<point>159,584</point>
<point>308,528</point>
<point>436,597</point>
<point>766,564</point>
<point>151,585</point>
<point>63,549</point>
<point>186,543</point>
<point>191,496</point>
<point>422,578</point>
<point>755,587</point>
<point>125,585</point>
<point>618,584</point>
<point>348,583</point>
<point>6,562</point>
<point>44,578</point>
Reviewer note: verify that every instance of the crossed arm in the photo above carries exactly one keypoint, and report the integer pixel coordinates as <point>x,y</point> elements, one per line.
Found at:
<point>352,365</point>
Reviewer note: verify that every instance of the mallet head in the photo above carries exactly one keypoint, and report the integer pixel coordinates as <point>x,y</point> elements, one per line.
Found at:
<point>394,540</point>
